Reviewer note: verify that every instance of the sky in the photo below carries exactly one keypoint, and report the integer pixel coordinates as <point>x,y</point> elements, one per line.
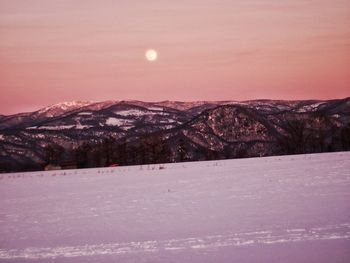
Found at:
<point>94,50</point>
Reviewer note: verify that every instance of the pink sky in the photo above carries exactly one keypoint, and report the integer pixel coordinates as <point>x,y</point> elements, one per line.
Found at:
<point>62,50</point>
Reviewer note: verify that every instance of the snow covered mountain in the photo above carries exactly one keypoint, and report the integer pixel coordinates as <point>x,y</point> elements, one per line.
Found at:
<point>205,130</point>
<point>61,108</point>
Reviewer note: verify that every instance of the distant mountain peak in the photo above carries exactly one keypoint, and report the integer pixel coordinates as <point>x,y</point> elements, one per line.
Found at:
<point>61,107</point>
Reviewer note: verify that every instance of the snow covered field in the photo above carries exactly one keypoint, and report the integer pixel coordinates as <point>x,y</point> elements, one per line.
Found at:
<point>275,209</point>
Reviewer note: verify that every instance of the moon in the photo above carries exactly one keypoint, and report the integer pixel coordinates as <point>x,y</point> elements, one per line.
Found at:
<point>151,55</point>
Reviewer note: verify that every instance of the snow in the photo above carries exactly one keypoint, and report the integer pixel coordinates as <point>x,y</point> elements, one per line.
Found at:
<point>125,124</point>
<point>2,137</point>
<point>78,126</point>
<point>138,113</point>
<point>156,108</point>
<point>58,108</point>
<point>273,209</point>
<point>111,121</point>
<point>56,127</point>
<point>310,107</point>
<point>132,112</point>
<point>40,136</point>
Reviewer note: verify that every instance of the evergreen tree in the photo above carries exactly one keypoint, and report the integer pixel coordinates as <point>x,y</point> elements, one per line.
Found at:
<point>181,150</point>
<point>82,155</point>
<point>107,151</point>
<point>53,154</point>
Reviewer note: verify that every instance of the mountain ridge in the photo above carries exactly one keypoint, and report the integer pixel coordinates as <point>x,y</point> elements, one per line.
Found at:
<point>204,130</point>
<point>175,103</point>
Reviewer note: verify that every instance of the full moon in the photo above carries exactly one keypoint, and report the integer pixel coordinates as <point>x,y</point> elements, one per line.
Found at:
<point>151,55</point>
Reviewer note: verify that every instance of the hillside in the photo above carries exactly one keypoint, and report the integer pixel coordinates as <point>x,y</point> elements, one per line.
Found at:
<point>131,131</point>
<point>273,209</point>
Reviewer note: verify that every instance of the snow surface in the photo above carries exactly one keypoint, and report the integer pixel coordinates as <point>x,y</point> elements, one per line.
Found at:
<point>138,113</point>
<point>85,113</point>
<point>111,121</point>
<point>274,209</point>
<point>58,108</point>
<point>78,126</point>
<point>310,107</point>
<point>132,112</point>
<point>125,124</point>
<point>155,108</point>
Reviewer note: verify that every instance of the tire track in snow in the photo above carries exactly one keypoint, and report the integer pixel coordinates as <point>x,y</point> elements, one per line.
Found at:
<point>267,237</point>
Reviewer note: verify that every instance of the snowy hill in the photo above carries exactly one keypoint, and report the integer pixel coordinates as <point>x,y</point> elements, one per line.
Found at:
<point>274,209</point>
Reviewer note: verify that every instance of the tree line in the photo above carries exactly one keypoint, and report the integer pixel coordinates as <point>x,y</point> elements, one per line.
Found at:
<point>148,149</point>
<point>298,138</point>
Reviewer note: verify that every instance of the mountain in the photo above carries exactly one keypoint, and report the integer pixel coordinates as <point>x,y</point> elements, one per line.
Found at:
<point>172,131</point>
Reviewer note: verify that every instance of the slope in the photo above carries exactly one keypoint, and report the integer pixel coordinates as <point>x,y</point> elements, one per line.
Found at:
<point>290,209</point>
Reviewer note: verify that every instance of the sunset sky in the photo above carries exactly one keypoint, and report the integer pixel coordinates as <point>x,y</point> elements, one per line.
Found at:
<point>62,50</point>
